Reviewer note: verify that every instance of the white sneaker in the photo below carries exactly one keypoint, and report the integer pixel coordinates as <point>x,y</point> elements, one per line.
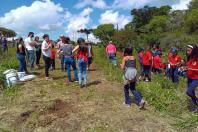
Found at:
<point>126,105</point>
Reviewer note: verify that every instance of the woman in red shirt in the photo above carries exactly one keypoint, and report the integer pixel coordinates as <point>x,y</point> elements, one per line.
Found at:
<point>192,72</point>
<point>147,63</point>
<point>174,60</point>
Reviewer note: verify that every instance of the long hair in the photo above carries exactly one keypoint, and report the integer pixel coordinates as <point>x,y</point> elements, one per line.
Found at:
<point>128,51</point>
<point>194,53</point>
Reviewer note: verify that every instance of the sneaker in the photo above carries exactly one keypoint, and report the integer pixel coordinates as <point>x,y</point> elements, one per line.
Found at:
<point>126,105</point>
<point>48,78</point>
<point>142,104</point>
<point>146,80</point>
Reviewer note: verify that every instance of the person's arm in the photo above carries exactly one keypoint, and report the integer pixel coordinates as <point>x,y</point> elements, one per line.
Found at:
<point>123,63</point>
<point>192,69</point>
<point>75,49</point>
<point>20,48</point>
<point>115,50</point>
<point>46,48</point>
<point>92,52</point>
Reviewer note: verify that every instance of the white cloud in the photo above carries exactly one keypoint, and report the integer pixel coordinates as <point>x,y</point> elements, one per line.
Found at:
<point>41,15</point>
<point>183,4</point>
<point>94,3</point>
<point>77,22</point>
<point>111,17</point>
<point>130,4</point>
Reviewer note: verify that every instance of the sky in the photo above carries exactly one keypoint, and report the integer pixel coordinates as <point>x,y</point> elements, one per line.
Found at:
<point>57,17</point>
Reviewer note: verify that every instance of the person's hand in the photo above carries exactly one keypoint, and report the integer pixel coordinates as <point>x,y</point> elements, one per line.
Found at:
<point>184,68</point>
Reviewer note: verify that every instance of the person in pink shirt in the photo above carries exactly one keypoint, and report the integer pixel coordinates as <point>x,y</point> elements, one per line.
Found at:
<point>111,53</point>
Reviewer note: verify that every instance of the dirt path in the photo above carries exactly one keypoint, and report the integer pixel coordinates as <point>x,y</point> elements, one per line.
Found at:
<point>41,106</point>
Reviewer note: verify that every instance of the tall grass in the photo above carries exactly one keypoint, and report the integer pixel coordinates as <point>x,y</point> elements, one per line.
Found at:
<point>7,61</point>
<point>165,97</point>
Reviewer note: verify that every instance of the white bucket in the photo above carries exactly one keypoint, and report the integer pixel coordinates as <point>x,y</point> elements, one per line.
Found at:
<point>21,74</point>
<point>11,78</point>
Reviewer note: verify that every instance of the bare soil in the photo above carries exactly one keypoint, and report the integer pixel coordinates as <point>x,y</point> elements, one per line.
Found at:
<point>56,106</point>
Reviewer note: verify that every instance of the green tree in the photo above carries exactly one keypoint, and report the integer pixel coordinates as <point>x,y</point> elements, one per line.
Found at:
<point>192,21</point>
<point>158,24</point>
<point>7,32</point>
<point>86,31</point>
<point>193,4</point>
<point>144,15</point>
<point>104,32</point>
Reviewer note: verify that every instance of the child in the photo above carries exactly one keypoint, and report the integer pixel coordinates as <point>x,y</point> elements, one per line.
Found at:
<point>140,58</point>
<point>82,56</point>
<point>174,60</point>
<point>129,66</point>
<point>53,57</point>
<point>90,54</point>
<point>192,72</point>
<point>157,63</point>
<point>147,63</point>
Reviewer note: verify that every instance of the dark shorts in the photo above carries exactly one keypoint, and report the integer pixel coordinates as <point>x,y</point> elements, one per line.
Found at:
<point>90,59</point>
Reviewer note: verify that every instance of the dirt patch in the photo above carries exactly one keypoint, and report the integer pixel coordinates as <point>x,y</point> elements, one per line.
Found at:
<point>59,108</point>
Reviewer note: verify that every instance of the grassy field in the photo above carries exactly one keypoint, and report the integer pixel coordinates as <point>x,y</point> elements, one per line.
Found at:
<point>166,98</point>
<point>43,106</point>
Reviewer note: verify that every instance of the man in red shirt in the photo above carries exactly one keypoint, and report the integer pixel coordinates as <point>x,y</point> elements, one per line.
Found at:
<point>174,61</point>
<point>147,63</point>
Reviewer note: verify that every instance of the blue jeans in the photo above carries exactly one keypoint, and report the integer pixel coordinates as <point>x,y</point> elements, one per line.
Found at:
<point>31,58</point>
<point>82,72</point>
<point>112,59</point>
<point>137,95</point>
<point>69,61</point>
<point>63,67</point>
<point>22,63</point>
<point>192,84</point>
<point>174,75</point>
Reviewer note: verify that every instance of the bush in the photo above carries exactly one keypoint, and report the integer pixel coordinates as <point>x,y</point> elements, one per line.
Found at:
<point>192,21</point>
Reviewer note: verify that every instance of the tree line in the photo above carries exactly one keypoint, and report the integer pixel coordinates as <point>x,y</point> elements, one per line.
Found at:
<point>153,24</point>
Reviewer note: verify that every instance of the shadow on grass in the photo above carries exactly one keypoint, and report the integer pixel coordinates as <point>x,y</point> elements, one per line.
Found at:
<point>93,83</point>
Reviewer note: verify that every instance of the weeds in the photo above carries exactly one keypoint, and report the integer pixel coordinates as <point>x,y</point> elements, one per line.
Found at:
<point>166,97</point>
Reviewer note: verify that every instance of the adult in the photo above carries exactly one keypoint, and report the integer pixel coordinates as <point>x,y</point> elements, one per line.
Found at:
<point>21,55</point>
<point>59,45</point>
<point>130,73</point>
<point>30,47</point>
<point>4,44</point>
<point>90,54</point>
<point>192,72</point>
<point>38,51</point>
<point>46,50</point>
<point>66,51</point>
<point>82,56</point>
<point>111,53</point>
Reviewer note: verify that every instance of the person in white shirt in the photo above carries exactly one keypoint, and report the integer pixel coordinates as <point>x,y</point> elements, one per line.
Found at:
<point>30,47</point>
<point>46,51</point>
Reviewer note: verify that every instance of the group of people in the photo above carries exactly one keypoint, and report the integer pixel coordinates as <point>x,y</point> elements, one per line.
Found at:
<point>80,57</point>
<point>150,61</point>
<point>31,49</point>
